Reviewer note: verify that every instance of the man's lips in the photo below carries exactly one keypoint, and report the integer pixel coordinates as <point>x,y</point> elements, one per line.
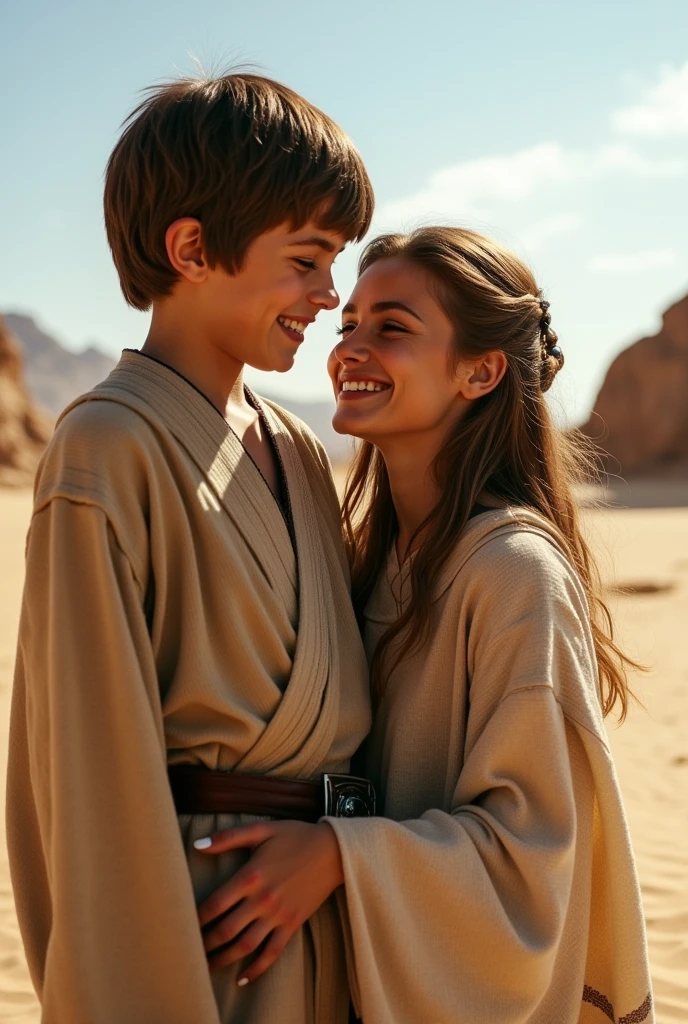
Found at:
<point>294,333</point>
<point>294,326</point>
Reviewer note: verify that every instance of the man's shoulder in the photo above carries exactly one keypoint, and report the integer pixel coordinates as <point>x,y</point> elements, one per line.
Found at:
<point>95,414</point>
<point>293,423</point>
<point>99,447</point>
<point>309,444</point>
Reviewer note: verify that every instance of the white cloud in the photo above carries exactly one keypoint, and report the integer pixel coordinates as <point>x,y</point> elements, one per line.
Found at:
<point>610,159</point>
<point>663,111</point>
<point>473,187</point>
<point>539,234</point>
<point>632,262</point>
<point>466,187</point>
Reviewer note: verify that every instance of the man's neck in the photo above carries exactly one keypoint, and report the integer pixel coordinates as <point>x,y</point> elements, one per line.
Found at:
<point>216,374</point>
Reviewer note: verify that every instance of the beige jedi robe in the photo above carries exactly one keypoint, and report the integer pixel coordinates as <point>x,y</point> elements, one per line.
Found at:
<point>503,890</point>
<point>167,618</point>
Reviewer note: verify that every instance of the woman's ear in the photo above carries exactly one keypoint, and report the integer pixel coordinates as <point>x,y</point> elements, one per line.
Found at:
<point>484,375</point>
<point>184,244</point>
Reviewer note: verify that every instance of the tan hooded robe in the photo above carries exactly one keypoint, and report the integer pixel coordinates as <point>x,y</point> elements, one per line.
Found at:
<point>503,890</point>
<point>167,618</point>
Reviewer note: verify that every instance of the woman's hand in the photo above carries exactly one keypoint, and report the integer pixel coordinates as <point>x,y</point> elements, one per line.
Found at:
<point>294,868</point>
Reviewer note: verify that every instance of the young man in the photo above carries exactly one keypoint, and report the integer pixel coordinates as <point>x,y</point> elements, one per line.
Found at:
<point>186,609</point>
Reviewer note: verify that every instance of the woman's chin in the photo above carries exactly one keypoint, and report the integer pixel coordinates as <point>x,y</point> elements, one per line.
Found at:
<point>343,422</point>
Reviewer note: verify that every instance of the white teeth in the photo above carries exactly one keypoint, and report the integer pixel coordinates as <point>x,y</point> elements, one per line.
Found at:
<point>361,385</point>
<point>293,325</point>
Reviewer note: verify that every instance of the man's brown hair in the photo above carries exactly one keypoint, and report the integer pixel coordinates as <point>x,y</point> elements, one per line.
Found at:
<point>240,153</point>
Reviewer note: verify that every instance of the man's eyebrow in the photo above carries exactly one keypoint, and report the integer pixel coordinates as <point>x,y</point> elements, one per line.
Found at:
<point>320,242</point>
<point>383,307</point>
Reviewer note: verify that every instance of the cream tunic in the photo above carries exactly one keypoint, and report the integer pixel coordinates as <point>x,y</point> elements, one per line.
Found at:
<point>168,618</point>
<point>503,889</point>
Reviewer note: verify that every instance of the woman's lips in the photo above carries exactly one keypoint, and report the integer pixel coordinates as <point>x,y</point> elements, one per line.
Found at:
<point>356,390</point>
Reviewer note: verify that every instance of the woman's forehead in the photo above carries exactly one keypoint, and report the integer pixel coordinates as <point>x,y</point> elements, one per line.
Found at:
<point>394,275</point>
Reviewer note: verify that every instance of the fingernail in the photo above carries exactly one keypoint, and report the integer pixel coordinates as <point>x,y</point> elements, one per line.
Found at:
<point>203,844</point>
<point>242,981</point>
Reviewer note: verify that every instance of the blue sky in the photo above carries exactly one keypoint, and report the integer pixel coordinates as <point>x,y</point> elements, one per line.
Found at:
<point>560,128</point>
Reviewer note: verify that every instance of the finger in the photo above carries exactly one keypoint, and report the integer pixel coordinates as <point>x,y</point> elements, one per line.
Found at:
<point>245,945</point>
<point>246,883</point>
<point>227,928</point>
<point>275,945</point>
<point>235,838</point>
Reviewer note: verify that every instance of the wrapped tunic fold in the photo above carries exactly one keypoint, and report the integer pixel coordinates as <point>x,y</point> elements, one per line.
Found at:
<point>169,617</point>
<point>502,888</point>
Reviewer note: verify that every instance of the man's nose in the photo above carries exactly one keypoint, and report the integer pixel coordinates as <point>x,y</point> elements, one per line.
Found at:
<point>326,296</point>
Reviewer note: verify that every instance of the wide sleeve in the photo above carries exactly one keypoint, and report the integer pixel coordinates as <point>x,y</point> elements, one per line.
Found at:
<point>101,883</point>
<point>456,917</point>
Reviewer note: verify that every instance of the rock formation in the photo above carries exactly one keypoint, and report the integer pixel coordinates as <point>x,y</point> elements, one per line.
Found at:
<point>640,417</point>
<point>24,429</point>
<point>56,375</point>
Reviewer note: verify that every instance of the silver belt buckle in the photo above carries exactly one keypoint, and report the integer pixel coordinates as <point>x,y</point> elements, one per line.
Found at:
<point>347,796</point>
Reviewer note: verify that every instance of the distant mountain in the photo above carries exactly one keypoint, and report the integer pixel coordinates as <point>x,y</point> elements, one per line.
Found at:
<point>56,375</point>
<point>640,417</point>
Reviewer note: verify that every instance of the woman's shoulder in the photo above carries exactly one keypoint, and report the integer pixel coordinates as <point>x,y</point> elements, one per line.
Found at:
<point>522,544</point>
<point>527,615</point>
<point>511,551</point>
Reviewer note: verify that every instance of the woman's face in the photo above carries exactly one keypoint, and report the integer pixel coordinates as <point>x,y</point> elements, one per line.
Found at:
<point>395,351</point>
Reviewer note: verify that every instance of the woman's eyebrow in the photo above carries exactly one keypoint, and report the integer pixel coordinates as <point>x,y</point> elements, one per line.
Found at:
<point>384,307</point>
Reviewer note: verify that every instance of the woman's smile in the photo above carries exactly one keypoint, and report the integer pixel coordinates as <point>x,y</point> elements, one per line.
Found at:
<point>355,388</point>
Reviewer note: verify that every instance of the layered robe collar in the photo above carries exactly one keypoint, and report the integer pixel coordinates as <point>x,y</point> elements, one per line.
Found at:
<point>303,728</point>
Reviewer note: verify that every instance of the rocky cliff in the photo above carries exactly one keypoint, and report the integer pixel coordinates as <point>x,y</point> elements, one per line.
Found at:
<point>640,417</point>
<point>24,428</point>
<point>55,375</point>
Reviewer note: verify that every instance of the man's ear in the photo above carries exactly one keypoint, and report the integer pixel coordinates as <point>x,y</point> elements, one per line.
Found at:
<point>484,375</point>
<point>184,244</point>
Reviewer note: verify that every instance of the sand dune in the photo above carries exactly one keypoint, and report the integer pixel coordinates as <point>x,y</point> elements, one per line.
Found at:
<point>651,748</point>
<point>647,577</point>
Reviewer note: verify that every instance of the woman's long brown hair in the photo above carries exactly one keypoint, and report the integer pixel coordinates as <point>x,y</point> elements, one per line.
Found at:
<point>506,446</point>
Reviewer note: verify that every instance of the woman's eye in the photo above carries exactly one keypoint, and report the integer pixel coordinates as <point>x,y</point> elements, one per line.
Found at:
<point>390,325</point>
<point>344,329</point>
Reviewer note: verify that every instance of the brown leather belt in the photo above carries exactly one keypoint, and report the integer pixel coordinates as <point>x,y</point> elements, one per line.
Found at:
<point>198,790</point>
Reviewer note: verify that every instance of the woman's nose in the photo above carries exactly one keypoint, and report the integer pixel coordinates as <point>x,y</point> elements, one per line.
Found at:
<point>351,348</point>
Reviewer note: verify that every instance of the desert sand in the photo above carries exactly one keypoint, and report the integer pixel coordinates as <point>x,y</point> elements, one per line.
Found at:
<point>644,556</point>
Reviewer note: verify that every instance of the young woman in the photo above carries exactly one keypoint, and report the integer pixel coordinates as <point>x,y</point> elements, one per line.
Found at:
<point>499,885</point>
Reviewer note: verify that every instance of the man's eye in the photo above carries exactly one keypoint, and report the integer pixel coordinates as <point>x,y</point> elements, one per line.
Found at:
<point>307,264</point>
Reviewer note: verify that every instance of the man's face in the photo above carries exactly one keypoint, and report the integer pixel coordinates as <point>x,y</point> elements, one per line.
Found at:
<point>259,315</point>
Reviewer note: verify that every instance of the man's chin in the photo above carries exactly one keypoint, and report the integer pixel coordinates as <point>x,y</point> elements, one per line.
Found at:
<point>276,362</point>
<point>285,365</point>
